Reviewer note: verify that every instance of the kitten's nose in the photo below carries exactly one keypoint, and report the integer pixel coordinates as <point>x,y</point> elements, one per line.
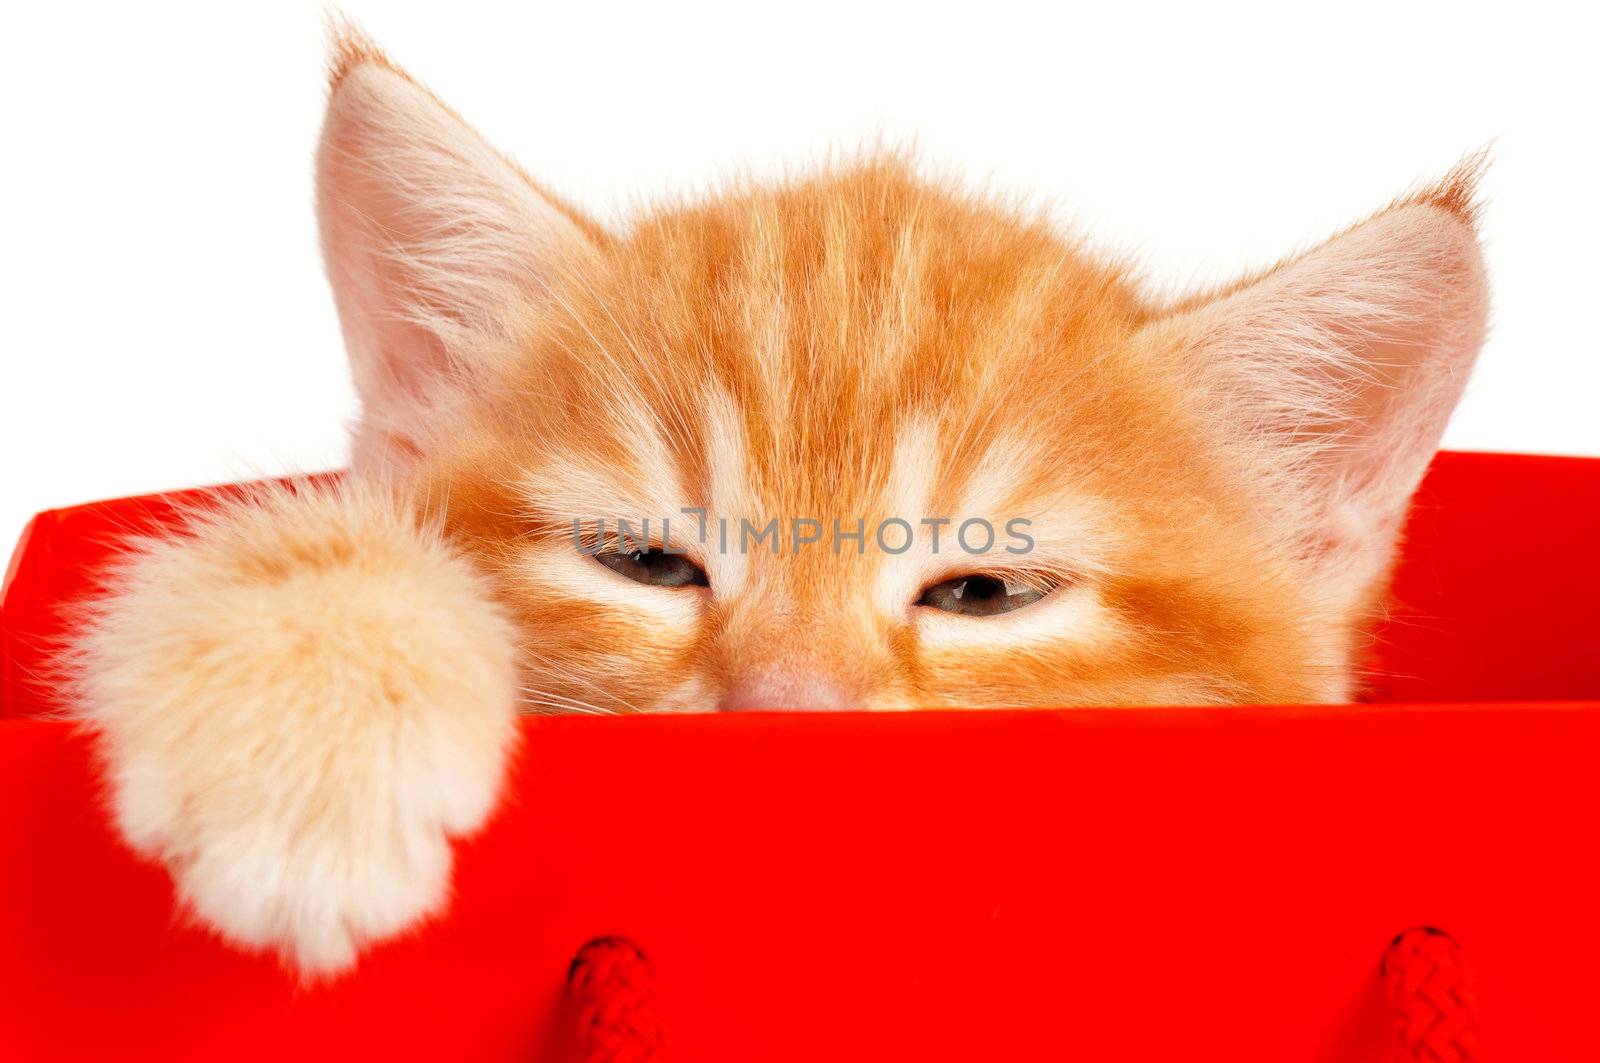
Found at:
<point>778,690</point>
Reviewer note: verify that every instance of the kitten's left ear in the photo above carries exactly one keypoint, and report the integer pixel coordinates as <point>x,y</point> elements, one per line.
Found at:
<point>430,236</point>
<point>1339,370</point>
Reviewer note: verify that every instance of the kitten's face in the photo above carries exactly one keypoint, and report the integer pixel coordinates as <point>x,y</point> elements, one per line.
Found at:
<point>1064,494</point>
<point>853,350</point>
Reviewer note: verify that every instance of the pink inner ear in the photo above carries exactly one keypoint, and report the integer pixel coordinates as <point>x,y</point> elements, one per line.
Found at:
<point>1347,363</point>
<point>429,235</point>
<point>1422,270</point>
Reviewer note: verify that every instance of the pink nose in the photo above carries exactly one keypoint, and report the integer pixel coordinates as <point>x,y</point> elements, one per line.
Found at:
<point>776,690</point>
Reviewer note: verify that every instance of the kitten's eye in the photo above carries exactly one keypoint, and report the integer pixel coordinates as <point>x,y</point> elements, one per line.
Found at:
<point>654,567</point>
<point>979,595</point>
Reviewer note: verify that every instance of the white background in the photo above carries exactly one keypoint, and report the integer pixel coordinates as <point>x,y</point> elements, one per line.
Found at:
<point>165,319</point>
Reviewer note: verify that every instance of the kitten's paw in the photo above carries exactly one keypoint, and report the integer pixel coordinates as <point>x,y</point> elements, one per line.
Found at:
<point>298,705</point>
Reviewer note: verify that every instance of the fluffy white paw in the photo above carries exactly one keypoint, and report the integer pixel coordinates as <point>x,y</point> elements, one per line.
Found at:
<point>298,705</point>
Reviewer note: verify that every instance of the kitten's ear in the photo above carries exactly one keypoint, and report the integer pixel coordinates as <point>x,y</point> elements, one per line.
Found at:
<point>430,236</point>
<point>1340,369</point>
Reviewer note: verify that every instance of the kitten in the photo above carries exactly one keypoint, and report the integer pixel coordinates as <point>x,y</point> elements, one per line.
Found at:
<point>304,698</point>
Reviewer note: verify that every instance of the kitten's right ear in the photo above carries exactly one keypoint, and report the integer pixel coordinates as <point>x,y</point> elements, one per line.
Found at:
<point>430,235</point>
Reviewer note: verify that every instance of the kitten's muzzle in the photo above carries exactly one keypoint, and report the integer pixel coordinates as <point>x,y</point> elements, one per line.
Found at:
<point>782,690</point>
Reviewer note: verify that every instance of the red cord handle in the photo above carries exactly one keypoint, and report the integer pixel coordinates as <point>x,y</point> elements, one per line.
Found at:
<point>1430,992</point>
<point>612,993</point>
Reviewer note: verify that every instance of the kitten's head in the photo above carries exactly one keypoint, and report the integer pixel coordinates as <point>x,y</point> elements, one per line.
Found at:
<point>999,475</point>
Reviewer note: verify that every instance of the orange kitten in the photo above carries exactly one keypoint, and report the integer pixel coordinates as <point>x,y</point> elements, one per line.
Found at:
<point>916,450</point>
